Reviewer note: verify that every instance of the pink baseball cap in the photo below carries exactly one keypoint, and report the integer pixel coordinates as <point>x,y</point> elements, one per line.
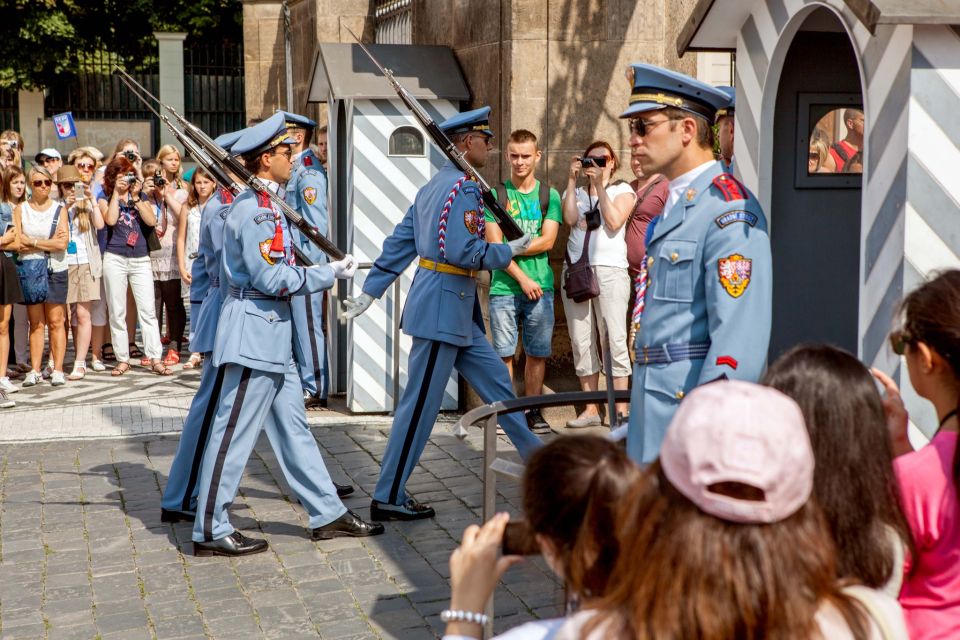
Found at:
<point>733,431</point>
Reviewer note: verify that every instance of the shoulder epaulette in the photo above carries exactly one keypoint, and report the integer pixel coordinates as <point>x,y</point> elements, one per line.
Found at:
<point>307,161</point>
<point>225,196</point>
<point>730,187</point>
<point>263,200</point>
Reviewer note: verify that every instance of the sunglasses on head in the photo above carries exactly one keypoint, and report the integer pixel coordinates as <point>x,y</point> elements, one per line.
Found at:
<point>899,340</point>
<point>42,183</point>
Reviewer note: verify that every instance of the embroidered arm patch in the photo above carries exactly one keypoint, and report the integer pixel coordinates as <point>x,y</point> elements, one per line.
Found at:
<point>265,251</point>
<point>734,272</point>
<point>263,217</point>
<point>736,216</point>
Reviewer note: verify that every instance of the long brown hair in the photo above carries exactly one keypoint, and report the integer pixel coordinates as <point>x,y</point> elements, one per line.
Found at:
<point>193,198</point>
<point>117,167</point>
<point>11,172</point>
<point>932,316</point>
<point>685,574</point>
<point>573,487</point>
<point>854,482</point>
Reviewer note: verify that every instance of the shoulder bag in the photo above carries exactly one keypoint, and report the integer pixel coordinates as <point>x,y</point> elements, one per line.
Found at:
<point>33,273</point>
<point>579,280</point>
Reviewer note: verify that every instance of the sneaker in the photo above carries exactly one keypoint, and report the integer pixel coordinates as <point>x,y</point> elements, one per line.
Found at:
<point>32,378</point>
<point>536,423</point>
<point>6,385</point>
<point>97,365</point>
<point>57,379</point>
<point>5,401</point>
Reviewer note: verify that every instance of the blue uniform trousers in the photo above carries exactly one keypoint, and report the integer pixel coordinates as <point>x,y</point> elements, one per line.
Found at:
<point>308,318</point>
<point>249,399</point>
<point>180,494</point>
<point>429,369</point>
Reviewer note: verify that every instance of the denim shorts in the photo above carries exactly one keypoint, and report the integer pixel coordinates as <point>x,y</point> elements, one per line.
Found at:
<point>508,313</point>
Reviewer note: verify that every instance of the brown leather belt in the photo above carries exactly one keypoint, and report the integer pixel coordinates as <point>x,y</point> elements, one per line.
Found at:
<point>442,267</point>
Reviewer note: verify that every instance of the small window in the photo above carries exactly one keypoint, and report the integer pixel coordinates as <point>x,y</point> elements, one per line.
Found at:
<point>830,136</point>
<point>406,141</point>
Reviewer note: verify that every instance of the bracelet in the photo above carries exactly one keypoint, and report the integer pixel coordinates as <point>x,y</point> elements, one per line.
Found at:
<point>456,615</point>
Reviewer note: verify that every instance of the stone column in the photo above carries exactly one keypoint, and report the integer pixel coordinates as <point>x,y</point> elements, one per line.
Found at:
<point>30,104</point>
<point>170,45</point>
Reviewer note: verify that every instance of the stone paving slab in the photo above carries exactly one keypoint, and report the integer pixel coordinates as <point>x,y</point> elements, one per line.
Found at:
<point>83,553</point>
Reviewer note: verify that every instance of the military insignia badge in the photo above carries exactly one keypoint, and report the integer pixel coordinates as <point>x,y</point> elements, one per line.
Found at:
<point>471,220</point>
<point>265,251</point>
<point>310,195</point>
<point>734,273</point>
<point>691,194</point>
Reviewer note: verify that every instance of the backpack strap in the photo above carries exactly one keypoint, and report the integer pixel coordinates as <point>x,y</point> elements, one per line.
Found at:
<point>841,151</point>
<point>56,221</point>
<point>502,195</point>
<point>544,198</point>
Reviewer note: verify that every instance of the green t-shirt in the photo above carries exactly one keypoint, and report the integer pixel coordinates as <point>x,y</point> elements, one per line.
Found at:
<point>525,209</point>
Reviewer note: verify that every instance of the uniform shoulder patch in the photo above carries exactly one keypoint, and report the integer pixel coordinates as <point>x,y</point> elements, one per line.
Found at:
<point>223,212</point>
<point>734,272</point>
<point>730,187</point>
<point>263,217</point>
<point>265,251</point>
<point>471,220</point>
<point>263,200</point>
<point>310,195</point>
<point>739,215</point>
<point>225,196</point>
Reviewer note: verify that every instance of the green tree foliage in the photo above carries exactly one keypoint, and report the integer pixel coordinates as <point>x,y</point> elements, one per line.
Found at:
<point>50,38</point>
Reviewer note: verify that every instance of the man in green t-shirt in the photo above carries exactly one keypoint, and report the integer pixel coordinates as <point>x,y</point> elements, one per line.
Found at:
<point>522,294</point>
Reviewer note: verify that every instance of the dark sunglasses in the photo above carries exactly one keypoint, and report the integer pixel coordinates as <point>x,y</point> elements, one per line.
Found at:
<point>83,166</point>
<point>814,156</point>
<point>42,183</point>
<point>899,340</point>
<point>642,127</point>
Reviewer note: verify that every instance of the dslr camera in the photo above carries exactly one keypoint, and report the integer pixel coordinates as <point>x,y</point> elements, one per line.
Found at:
<point>158,180</point>
<point>589,161</point>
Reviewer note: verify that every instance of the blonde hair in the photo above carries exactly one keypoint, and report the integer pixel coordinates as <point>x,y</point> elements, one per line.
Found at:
<point>166,150</point>
<point>820,148</point>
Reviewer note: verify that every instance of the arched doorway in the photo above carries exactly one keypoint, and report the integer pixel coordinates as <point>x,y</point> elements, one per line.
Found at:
<point>815,213</point>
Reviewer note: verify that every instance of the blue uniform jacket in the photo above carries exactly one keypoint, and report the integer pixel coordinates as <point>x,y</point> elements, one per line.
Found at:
<point>253,331</point>
<point>211,248</point>
<point>440,306</point>
<point>709,279</point>
<point>199,278</point>
<point>307,194</point>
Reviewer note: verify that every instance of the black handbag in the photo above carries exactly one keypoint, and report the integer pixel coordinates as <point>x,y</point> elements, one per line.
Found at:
<point>579,280</point>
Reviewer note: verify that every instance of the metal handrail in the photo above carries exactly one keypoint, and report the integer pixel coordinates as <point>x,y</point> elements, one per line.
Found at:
<point>487,415</point>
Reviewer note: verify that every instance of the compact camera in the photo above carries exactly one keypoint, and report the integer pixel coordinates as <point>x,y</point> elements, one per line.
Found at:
<point>130,177</point>
<point>588,161</point>
<point>131,155</point>
<point>158,180</point>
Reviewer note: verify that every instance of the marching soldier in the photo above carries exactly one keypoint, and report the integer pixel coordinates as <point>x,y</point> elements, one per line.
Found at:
<point>445,227</point>
<point>254,350</point>
<point>704,300</point>
<point>307,193</point>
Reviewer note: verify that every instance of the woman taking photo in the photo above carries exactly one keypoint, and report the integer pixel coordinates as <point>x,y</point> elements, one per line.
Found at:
<point>602,208</point>
<point>166,273</point>
<point>129,217</point>
<point>10,293</point>
<point>188,239</point>
<point>42,237</point>
<point>930,477</point>
<point>15,192</point>
<point>84,260</point>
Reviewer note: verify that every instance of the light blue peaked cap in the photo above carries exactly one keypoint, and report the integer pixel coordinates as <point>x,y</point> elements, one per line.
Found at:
<point>469,121</point>
<point>263,136</point>
<point>657,88</point>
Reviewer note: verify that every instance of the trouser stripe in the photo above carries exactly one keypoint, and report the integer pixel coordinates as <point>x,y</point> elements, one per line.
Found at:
<point>222,453</point>
<point>208,416</point>
<point>317,373</point>
<point>414,421</point>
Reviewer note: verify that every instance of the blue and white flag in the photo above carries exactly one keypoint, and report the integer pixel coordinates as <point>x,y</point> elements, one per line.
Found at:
<point>63,123</point>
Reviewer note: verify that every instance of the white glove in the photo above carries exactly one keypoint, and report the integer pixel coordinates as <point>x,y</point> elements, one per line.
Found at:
<point>519,245</point>
<point>356,306</point>
<point>344,269</point>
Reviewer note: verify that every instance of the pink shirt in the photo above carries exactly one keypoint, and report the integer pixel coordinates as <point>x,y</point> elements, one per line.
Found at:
<point>931,597</point>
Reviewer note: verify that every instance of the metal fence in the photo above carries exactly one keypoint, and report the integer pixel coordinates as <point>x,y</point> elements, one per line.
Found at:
<point>213,87</point>
<point>9,110</point>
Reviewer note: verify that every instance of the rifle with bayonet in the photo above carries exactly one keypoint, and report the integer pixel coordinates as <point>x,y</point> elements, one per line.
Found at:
<point>209,153</point>
<point>508,225</point>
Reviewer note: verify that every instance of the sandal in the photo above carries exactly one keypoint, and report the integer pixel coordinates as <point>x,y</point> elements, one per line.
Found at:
<point>135,351</point>
<point>79,371</point>
<point>120,369</point>
<point>194,362</point>
<point>106,353</point>
<point>97,365</point>
<point>146,362</point>
<point>173,357</point>
<point>161,369</point>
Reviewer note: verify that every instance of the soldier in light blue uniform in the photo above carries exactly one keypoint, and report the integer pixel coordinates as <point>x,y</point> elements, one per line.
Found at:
<point>254,350</point>
<point>444,227</point>
<point>307,193</point>
<point>725,128</point>
<point>706,307</point>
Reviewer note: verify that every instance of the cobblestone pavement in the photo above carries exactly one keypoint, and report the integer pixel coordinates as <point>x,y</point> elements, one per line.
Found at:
<point>83,553</point>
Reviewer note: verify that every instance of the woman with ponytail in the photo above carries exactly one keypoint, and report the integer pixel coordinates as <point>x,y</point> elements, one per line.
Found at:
<point>929,477</point>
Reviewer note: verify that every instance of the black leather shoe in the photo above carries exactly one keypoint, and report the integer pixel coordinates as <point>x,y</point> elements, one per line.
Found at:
<point>313,402</point>
<point>235,544</point>
<point>409,510</point>
<point>169,515</point>
<point>349,525</point>
<point>343,490</point>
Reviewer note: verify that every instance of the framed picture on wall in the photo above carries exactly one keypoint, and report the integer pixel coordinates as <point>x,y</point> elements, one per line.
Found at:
<point>830,138</point>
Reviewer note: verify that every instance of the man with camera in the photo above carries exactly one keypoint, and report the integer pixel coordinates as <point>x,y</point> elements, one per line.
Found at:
<point>444,227</point>
<point>704,303</point>
<point>521,296</point>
